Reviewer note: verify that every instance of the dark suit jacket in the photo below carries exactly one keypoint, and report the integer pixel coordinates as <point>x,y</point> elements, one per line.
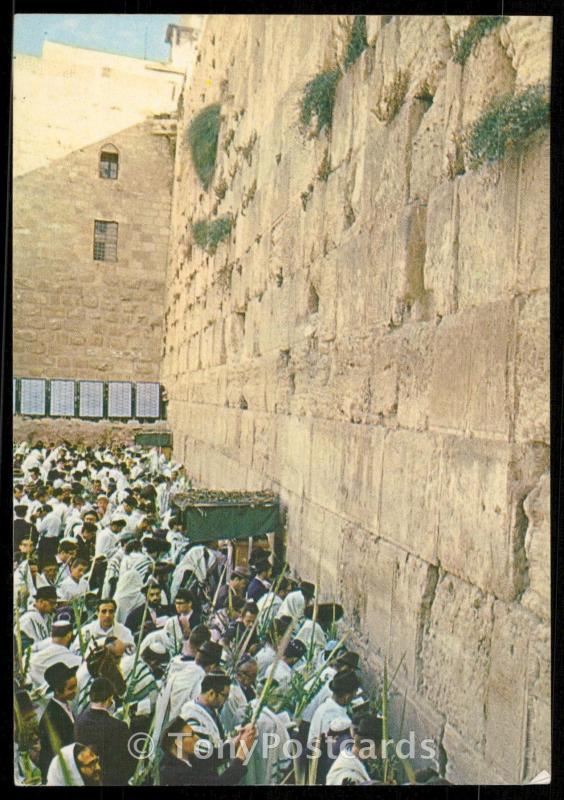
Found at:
<point>256,590</point>
<point>63,729</point>
<point>135,617</point>
<point>23,530</point>
<point>174,772</point>
<point>109,737</point>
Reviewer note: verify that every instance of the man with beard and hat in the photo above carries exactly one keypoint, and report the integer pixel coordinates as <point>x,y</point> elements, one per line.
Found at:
<point>56,726</point>
<point>241,636</point>
<point>156,614</point>
<point>187,617</point>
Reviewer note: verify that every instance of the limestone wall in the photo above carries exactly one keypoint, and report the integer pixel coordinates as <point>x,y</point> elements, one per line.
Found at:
<point>75,317</point>
<point>375,348</point>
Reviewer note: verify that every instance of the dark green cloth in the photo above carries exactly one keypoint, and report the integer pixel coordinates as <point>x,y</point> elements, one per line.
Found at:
<point>229,521</point>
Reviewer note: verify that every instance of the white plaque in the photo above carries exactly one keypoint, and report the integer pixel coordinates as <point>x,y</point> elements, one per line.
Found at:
<point>148,400</point>
<point>91,399</point>
<point>32,399</point>
<point>62,399</point>
<point>119,399</point>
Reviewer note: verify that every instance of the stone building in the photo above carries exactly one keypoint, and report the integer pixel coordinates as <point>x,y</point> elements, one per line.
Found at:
<point>93,165</point>
<point>371,341</point>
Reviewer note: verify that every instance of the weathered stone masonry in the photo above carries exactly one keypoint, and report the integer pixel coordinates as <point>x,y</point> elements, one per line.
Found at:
<point>375,348</point>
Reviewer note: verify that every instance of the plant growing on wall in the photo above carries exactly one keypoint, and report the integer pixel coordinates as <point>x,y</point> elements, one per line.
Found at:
<point>358,41</point>
<point>467,41</point>
<point>202,136</point>
<point>508,121</point>
<point>393,96</point>
<point>318,100</point>
<point>209,233</point>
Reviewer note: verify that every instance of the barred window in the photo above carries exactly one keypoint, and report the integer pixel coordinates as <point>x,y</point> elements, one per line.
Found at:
<point>105,240</point>
<point>109,165</point>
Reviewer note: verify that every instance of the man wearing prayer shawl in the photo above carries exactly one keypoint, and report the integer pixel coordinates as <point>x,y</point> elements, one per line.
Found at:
<point>348,769</point>
<point>75,765</point>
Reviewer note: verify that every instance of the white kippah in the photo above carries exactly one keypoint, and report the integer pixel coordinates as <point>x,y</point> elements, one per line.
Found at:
<point>339,725</point>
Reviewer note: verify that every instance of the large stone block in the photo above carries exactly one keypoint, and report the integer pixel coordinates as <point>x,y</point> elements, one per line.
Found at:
<point>528,42</point>
<point>455,653</point>
<point>441,254</point>
<point>537,548</point>
<point>487,73</point>
<point>409,510</point>
<point>470,385</point>
<point>532,370</point>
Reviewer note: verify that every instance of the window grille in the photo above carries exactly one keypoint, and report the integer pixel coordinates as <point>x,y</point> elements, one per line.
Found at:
<point>109,165</point>
<point>105,240</point>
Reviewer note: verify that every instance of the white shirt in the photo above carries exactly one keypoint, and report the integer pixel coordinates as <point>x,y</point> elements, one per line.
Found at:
<point>70,589</point>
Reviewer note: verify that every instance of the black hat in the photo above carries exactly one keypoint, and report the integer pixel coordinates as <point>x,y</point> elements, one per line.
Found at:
<point>184,595</point>
<point>369,726</point>
<point>21,508</point>
<point>349,660</point>
<point>307,589</point>
<point>210,653</point>
<point>46,592</point>
<point>58,674</point>
<point>344,682</point>
<point>295,649</point>
<point>326,612</point>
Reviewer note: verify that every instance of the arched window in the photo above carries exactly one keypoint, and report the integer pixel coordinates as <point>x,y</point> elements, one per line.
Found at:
<point>109,160</point>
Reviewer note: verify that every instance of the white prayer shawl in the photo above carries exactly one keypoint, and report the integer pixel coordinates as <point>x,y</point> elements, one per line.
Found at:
<point>50,525</point>
<point>46,655</point>
<point>195,561</point>
<point>141,562</point>
<point>36,626</point>
<point>112,571</point>
<point>163,700</point>
<point>264,658</point>
<point>194,711</point>
<point>175,634</point>
<point>293,605</point>
<point>23,580</point>
<point>69,588</point>
<point>56,774</point>
<point>307,631</point>
<point>268,606</point>
<point>233,711</point>
<point>106,543</point>
<point>143,685</point>
<point>327,711</point>
<point>323,693</point>
<point>268,761</point>
<point>94,631</point>
<point>128,593</point>
<point>185,686</point>
<point>282,674</point>
<point>347,767</point>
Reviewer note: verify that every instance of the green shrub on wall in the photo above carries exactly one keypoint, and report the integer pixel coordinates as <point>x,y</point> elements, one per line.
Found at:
<point>209,233</point>
<point>358,41</point>
<point>319,98</point>
<point>202,136</point>
<point>476,31</point>
<point>508,121</point>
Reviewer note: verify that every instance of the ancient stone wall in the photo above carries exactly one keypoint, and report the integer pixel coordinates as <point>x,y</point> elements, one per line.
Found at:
<point>372,342</point>
<point>75,317</point>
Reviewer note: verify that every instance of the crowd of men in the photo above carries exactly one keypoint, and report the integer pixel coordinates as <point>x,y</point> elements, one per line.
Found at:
<point>145,658</point>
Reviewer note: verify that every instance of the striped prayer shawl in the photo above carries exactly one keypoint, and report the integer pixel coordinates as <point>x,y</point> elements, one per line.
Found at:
<point>142,683</point>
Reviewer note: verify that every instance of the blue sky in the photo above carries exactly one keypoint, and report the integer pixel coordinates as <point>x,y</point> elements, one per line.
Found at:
<point>124,34</point>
